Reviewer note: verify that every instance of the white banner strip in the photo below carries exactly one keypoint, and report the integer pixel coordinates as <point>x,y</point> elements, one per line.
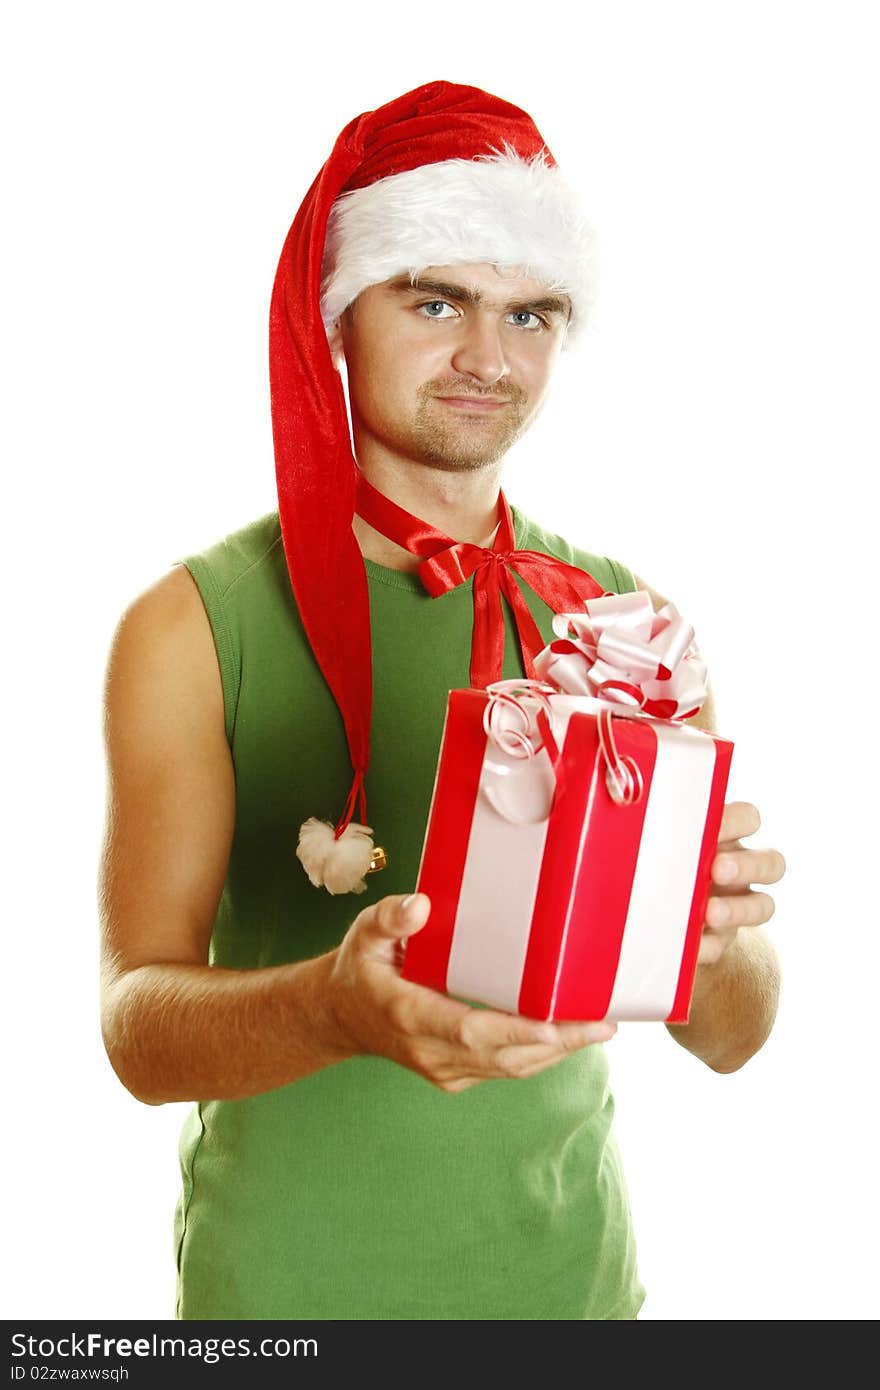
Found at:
<point>663,885</point>
<point>495,906</point>
<point>501,873</point>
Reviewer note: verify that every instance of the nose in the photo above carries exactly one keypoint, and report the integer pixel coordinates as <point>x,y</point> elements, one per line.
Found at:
<point>479,351</point>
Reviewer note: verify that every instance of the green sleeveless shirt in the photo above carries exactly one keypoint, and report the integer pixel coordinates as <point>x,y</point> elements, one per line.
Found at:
<point>362,1191</point>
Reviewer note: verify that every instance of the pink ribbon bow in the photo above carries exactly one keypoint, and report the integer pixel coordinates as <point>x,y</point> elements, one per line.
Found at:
<point>621,650</point>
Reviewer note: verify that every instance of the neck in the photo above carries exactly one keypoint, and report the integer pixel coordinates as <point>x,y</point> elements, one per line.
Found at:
<point>462,505</point>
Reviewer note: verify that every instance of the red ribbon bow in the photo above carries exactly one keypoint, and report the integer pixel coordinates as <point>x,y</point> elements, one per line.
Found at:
<point>448,563</point>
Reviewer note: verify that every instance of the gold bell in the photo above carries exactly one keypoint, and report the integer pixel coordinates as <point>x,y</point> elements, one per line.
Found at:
<point>378,860</point>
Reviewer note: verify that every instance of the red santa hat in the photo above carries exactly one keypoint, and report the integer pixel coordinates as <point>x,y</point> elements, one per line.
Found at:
<point>444,174</point>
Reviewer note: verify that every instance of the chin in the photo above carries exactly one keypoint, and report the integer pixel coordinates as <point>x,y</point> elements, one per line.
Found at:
<point>459,453</point>
<point>449,464</point>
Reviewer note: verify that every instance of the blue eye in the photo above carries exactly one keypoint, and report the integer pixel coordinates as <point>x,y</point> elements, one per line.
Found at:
<point>442,309</point>
<point>436,304</point>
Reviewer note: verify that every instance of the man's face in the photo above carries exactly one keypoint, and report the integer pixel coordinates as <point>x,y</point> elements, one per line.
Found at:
<point>451,371</point>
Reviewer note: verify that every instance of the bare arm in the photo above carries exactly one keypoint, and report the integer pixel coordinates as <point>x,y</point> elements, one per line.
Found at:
<point>736,988</point>
<point>177,1028</point>
<point>734,1003</point>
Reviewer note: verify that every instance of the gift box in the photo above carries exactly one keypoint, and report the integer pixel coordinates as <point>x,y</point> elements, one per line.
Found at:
<point>570,837</point>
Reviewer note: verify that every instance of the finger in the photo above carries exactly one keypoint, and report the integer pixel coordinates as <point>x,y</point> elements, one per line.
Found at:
<point>575,1034</point>
<point>713,944</point>
<point>539,1064</point>
<point>739,818</point>
<point>740,910</point>
<point>567,1037</point>
<point>468,1033</point>
<point>392,918</point>
<point>743,866</point>
<point>527,1061</point>
<point>513,1062</point>
<point>460,1083</point>
<point>524,1060</point>
<point>486,1030</point>
<point>492,1029</point>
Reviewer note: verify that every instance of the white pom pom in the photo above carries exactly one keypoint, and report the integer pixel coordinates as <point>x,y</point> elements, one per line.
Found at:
<point>339,865</point>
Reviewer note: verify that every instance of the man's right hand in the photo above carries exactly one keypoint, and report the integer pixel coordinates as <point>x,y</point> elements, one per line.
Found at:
<point>449,1043</point>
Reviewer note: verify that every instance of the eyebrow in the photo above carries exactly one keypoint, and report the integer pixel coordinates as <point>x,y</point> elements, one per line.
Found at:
<point>443,289</point>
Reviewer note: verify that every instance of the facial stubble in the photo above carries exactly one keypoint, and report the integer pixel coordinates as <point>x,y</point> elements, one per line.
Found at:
<point>463,441</point>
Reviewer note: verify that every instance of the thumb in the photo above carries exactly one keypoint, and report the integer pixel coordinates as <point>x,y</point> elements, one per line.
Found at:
<point>396,917</point>
<point>413,912</point>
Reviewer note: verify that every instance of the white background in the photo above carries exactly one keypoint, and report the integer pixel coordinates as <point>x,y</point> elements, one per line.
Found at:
<point>718,433</point>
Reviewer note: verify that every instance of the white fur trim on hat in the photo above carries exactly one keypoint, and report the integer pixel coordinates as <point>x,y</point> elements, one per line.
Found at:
<point>498,209</point>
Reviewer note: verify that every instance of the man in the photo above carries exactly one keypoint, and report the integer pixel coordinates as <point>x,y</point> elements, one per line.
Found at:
<point>363,1147</point>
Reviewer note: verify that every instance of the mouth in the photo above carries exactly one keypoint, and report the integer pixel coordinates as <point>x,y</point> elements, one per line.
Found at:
<point>475,403</point>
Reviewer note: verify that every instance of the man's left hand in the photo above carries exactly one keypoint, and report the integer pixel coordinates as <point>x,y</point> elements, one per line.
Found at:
<point>733,904</point>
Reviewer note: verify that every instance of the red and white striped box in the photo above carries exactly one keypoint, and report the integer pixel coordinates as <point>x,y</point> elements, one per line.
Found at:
<point>593,911</point>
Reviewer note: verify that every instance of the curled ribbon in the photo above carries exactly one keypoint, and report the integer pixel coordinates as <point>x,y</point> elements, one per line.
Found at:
<point>519,742</point>
<point>512,725</point>
<point>621,650</point>
<point>518,721</point>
